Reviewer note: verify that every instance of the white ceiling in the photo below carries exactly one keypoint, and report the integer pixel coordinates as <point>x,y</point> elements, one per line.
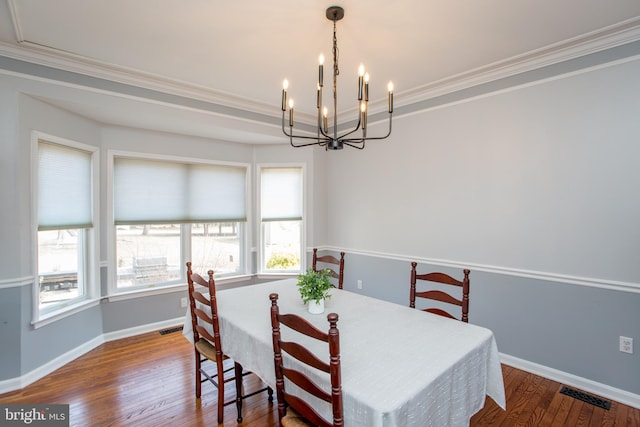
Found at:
<point>236,54</point>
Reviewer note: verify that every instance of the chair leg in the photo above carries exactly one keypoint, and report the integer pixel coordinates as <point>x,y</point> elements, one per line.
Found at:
<point>220,391</point>
<point>239,383</point>
<point>198,377</point>
<point>270,392</point>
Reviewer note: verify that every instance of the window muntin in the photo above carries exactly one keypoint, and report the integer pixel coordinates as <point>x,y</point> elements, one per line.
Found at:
<point>281,211</point>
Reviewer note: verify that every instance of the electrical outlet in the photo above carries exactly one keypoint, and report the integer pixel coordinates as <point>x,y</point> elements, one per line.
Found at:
<point>183,302</point>
<point>626,345</point>
<point>359,284</point>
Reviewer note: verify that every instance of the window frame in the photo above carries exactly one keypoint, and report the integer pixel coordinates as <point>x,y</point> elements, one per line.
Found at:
<point>259,223</point>
<point>113,292</point>
<point>91,239</point>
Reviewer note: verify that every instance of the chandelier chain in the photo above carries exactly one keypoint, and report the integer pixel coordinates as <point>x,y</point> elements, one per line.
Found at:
<point>336,70</point>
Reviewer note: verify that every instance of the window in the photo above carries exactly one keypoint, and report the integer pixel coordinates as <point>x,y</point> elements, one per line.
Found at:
<point>168,212</point>
<point>281,218</point>
<point>65,206</point>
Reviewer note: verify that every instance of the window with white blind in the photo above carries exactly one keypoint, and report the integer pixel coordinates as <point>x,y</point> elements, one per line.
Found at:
<point>281,215</point>
<point>169,212</point>
<point>66,175</point>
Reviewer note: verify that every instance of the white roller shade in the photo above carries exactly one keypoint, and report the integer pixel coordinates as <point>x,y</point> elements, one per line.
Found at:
<point>154,191</point>
<point>64,187</point>
<point>281,194</point>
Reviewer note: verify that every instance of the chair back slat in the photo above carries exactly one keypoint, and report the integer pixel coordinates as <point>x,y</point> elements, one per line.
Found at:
<point>304,355</point>
<point>440,312</point>
<point>199,296</point>
<point>301,325</point>
<point>440,295</point>
<point>302,381</point>
<point>439,278</point>
<point>204,333</point>
<point>305,410</point>
<point>204,316</point>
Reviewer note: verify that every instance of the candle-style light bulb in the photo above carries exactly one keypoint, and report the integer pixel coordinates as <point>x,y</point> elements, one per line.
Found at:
<point>360,81</point>
<point>390,88</point>
<point>366,87</point>
<point>363,115</point>
<point>291,112</point>
<point>325,119</point>
<point>321,70</point>
<point>285,86</point>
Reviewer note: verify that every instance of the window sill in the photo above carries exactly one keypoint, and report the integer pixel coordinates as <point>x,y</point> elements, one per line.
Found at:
<point>65,312</point>
<point>167,289</point>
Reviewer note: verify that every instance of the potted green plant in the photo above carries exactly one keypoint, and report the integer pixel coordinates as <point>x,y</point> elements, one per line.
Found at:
<point>313,287</point>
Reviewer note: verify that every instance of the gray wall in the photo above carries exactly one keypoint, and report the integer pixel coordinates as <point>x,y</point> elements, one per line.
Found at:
<point>534,188</point>
<point>567,327</point>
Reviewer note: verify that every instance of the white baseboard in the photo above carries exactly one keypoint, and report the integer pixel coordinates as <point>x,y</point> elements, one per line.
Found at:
<point>142,329</point>
<point>599,389</point>
<point>49,367</point>
<point>44,370</point>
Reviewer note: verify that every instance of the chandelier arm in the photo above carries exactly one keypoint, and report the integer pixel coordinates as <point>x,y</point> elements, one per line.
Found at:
<point>353,145</point>
<point>306,144</point>
<point>292,135</point>
<point>371,137</point>
<point>351,131</point>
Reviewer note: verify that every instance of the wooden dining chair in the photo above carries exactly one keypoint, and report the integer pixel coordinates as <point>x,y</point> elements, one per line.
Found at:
<point>295,411</point>
<point>211,363</point>
<point>441,295</point>
<point>326,262</point>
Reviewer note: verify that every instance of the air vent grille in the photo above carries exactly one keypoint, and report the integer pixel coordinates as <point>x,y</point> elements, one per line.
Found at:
<point>593,400</point>
<point>170,330</point>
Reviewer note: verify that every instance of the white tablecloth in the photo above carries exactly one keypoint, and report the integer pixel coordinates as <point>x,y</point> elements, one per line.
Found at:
<point>400,366</point>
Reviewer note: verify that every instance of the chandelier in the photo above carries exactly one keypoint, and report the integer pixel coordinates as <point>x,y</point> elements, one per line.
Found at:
<point>333,140</point>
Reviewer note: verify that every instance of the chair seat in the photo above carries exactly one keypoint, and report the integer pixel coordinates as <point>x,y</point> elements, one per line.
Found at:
<point>205,348</point>
<point>293,419</point>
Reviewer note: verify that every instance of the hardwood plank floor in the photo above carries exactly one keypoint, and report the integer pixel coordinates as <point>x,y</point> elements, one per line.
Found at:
<point>148,380</point>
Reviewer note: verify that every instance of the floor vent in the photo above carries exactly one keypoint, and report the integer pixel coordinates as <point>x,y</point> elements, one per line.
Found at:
<point>593,400</point>
<point>170,330</point>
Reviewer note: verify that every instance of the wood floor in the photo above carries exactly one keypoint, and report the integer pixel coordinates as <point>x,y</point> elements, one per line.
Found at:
<point>148,380</point>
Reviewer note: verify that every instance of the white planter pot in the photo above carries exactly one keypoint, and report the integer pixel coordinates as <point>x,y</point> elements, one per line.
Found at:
<point>316,307</point>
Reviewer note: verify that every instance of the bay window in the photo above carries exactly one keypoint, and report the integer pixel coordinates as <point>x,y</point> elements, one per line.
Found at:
<point>169,212</point>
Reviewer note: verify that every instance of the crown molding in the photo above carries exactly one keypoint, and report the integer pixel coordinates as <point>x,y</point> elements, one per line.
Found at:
<point>605,38</point>
<point>66,61</point>
<point>600,40</point>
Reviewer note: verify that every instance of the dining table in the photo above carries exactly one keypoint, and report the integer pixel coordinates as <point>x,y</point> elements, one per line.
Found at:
<point>400,366</point>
